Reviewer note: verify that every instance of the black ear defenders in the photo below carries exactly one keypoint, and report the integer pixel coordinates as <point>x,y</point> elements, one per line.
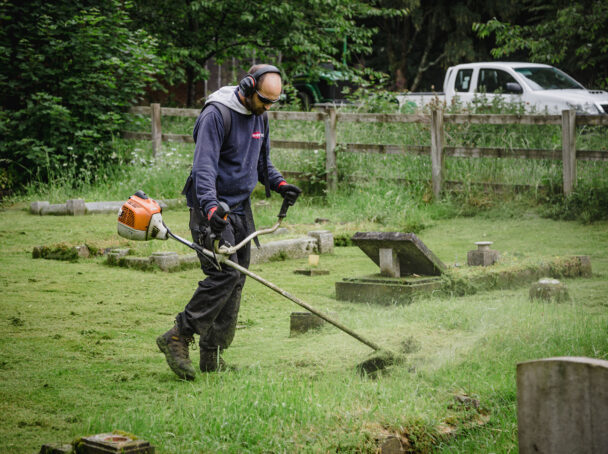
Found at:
<point>248,84</point>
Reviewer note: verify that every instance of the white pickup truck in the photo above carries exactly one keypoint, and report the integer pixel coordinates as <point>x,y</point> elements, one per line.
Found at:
<point>540,88</point>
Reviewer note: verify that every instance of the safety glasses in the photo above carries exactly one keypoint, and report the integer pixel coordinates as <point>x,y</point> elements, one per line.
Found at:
<point>265,100</point>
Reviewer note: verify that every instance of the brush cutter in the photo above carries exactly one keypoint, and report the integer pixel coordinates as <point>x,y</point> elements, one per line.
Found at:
<point>140,218</point>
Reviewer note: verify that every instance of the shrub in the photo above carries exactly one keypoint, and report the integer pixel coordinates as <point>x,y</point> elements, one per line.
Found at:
<point>69,72</point>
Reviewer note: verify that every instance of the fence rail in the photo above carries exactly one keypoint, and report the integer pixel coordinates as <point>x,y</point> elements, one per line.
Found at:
<point>568,121</point>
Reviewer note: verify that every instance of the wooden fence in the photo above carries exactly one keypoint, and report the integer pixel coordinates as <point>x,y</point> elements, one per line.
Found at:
<point>437,150</point>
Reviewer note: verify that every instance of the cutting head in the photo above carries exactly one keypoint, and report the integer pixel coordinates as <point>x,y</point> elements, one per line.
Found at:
<point>140,219</point>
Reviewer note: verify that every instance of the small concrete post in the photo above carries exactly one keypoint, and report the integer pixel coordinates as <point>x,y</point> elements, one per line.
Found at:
<point>562,405</point>
<point>389,262</point>
<point>437,151</point>
<point>157,135</point>
<point>569,149</point>
<point>330,148</point>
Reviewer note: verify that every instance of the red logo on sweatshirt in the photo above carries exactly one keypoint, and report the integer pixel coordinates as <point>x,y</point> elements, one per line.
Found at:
<point>257,135</point>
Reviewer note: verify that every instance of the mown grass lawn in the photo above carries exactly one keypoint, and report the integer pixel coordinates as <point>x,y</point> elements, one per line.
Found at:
<point>78,355</point>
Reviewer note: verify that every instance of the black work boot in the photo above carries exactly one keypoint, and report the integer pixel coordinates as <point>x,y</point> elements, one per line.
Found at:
<point>211,361</point>
<point>175,347</point>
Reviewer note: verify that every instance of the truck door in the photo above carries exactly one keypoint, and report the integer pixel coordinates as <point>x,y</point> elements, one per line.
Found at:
<point>463,82</point>
<point>493,83</point>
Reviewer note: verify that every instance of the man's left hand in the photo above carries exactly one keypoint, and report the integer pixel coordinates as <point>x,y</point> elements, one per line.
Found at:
<point>289,192</point>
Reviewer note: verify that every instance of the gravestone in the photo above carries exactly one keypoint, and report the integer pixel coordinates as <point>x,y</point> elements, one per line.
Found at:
<point>407,267</point>
<point>548,289</point>
<point>562,406</point>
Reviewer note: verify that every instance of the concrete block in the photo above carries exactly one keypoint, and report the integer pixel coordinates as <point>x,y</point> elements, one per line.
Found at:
<point>312,272</point>
<point>166,261</point>
<point>36,207</point>
<point>116,442</point>
<point>562,405</point>
<point>548,289</point>
<point>59,209</point>
<point>102,207</point>
<point>300,322</point>
<point>325,241</point>
<point>283,249</point>
<point>384,291</point>
<point>75,207</point>
<point>483,255</point>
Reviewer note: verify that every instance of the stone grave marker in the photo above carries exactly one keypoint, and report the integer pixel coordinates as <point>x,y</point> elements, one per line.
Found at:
<point>562,406</point>
<point>407,266</point>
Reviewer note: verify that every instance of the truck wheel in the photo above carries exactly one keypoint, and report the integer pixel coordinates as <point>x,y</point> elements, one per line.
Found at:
<point>305,100</point>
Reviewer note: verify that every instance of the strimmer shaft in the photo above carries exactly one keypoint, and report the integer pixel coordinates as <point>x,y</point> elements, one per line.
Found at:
<point>279,290</point>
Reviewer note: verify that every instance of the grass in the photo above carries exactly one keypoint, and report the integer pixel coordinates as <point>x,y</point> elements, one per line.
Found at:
<point>77,351</point>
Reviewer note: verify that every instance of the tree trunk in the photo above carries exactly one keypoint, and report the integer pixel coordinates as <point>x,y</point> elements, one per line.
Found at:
<point>191,87</point>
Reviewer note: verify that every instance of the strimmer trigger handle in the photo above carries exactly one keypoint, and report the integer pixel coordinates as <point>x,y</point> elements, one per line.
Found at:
<point>223,210</point>
<point>284,209</point>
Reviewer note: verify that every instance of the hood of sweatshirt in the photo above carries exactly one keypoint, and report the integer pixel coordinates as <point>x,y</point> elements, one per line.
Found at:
<point>228,97</point>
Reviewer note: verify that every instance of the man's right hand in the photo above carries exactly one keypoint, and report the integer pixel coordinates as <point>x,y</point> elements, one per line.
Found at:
<point>216,222</point>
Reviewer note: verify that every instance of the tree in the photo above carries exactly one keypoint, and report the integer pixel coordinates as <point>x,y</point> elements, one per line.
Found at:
<point>573,36</point>
<point>298,34</point>
<point>69,71</point>
<point>416,48</point>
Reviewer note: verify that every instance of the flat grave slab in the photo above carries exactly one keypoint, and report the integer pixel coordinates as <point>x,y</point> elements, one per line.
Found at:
<point>410,254</point>
<point>407,267</point>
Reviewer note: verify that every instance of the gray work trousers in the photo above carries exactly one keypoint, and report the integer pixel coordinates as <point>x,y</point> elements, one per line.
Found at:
<point>213,309</point>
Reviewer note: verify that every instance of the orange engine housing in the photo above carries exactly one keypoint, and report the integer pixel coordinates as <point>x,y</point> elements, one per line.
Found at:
<point>140,218</point>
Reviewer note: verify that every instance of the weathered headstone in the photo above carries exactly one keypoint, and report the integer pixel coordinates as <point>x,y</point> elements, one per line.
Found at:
<point>562,406</point>
<point>483,255</point>
<point>300,322</point>
<point>548,289</point>
<point>407,267</point>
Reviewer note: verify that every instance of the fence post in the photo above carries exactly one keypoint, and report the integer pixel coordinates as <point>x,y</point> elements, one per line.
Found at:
<point>157,135</point>
<point>437,151</point>
<point>569,149</point>
<point>330,148</point>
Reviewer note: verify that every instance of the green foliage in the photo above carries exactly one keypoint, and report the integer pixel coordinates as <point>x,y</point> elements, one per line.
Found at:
<point>69,71</point>
<point>304,33</point>
<point>573,36</point>
<point>587,203</point>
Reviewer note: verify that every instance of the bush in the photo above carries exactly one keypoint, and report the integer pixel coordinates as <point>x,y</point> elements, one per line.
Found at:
<point>69,72</point>
<point>587,203</point>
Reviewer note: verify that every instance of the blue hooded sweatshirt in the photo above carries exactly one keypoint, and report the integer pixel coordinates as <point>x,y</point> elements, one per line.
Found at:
<point>229,171</point>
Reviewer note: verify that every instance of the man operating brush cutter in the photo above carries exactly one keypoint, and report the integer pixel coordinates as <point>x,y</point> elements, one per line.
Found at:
<point>232,153</point>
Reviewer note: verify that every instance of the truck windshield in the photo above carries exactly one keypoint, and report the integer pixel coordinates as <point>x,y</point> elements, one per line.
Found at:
<point>548,79</point>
